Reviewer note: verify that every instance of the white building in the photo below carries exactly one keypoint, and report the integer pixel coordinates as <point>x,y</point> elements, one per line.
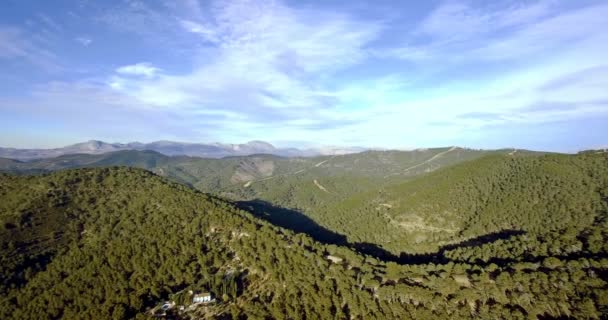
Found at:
<point>202,298</point>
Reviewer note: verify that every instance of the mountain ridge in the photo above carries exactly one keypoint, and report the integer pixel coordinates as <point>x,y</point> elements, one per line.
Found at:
<point>173,148</point>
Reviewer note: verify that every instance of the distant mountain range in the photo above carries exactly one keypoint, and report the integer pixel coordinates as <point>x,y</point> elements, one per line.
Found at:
<point>171,148</point>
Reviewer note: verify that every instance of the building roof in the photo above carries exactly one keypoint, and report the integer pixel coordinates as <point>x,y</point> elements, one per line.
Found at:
<point>203,294</point>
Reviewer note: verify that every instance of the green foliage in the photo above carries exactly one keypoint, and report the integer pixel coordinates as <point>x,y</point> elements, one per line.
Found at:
<point>540,195</point>
<point>110,243</point>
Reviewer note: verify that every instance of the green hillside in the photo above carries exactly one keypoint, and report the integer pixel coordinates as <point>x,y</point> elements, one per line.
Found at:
<point>299,185</point>
<point>108,243</point>
<point>285,182</point>
<point>237,171</point>
<point>112,243</point>
<point>539,195</point>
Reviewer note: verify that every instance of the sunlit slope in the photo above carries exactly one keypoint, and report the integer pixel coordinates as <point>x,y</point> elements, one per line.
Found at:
<point>490,194</point>
<point>312,182</point>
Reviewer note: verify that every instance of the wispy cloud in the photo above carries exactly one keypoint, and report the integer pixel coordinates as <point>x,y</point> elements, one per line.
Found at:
<point>258,69</point>
<point>15,44</point>
<point>556,64</point>
<point>49,22</point>
<point>139,69</point>
<point>457,31</point>
<point>92,107</point>
<point>84,41</point>
<point>459,20</point>
<point>550,34</point>
<point>151,22</point>
<point>206,33</point>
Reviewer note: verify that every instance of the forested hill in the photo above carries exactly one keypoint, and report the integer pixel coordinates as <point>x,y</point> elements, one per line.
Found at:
<point>556,193</point>
<point>211,174</point>
<point>108,243</point>
<point>111,243</point>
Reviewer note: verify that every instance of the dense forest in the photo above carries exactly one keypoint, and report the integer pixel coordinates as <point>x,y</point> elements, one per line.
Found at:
<point>530,242</point>
<point>536,194</point>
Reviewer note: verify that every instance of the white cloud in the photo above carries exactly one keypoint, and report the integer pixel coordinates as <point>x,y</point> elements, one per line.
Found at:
<point>273,56</point>
<point>139,69</point>
<point>84,41</point>
<point>194,27</point>
<point>273,32</point>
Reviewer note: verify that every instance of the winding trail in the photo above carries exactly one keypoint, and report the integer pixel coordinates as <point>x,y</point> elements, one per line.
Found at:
<point>435,157</point>
<point>322,162</point>
<point>248,183</point>
<point>320,186</point>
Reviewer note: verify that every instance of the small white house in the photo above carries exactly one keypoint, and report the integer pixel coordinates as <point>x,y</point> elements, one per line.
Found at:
<point>334,259</point>
<point>202,298</point>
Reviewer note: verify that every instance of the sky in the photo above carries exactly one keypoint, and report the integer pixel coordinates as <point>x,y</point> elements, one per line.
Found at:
<point>386,74</point>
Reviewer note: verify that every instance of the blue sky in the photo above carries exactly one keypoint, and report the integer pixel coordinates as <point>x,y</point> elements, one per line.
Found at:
<point>392,74</point>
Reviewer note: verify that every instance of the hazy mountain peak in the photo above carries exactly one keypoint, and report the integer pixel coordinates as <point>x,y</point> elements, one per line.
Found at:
<point>172,148</point>
<point>260,145</point>
<point>92,144</point>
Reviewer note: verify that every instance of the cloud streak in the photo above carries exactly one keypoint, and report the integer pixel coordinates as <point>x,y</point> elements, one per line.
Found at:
<point>139,69</point>
<point>84,41</point>
<point>15,44</point>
